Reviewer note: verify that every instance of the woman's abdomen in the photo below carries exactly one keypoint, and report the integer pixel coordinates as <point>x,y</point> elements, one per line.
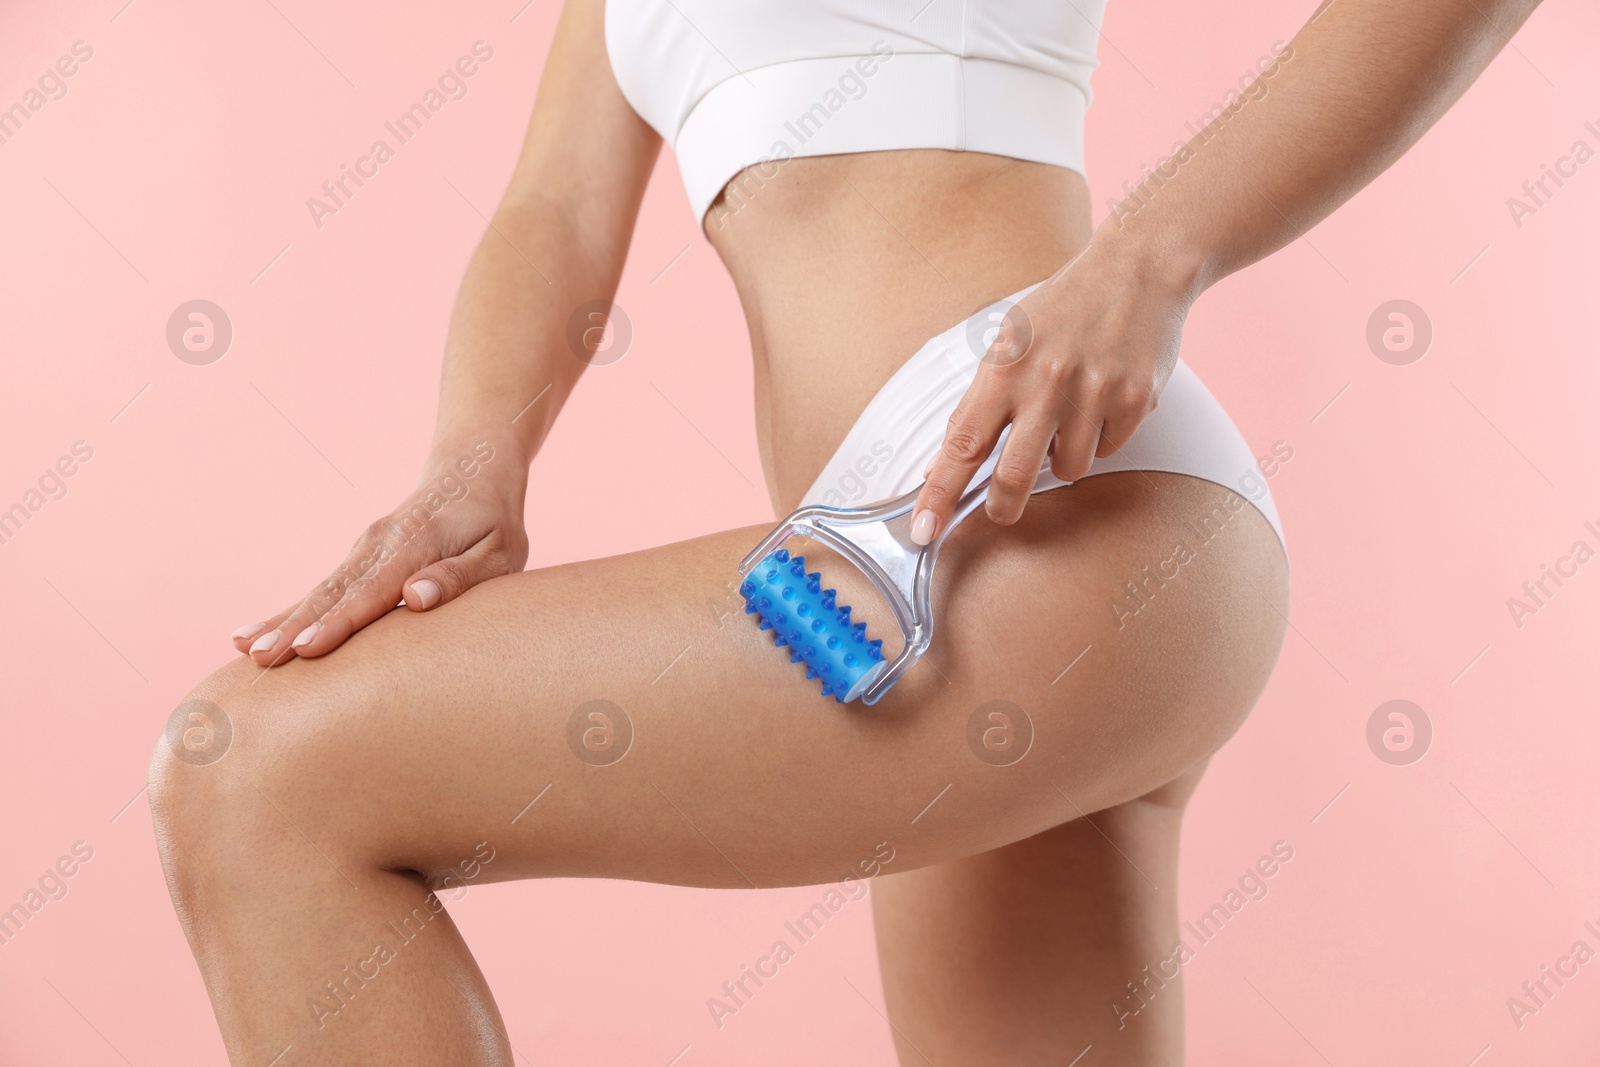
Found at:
<point>846,265</point>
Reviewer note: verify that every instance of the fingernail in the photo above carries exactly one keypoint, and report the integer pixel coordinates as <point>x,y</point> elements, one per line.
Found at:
<point>427,591</point>
<point>245,633</point>
<point>307,635</point>
<point>922,527</point>
<point>266,641</point>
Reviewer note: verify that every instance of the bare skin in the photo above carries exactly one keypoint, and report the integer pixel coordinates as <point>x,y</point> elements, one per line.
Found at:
<point>377,753</point>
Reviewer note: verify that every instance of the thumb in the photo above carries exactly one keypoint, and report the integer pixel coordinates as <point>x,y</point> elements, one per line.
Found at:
<point>441,582</point>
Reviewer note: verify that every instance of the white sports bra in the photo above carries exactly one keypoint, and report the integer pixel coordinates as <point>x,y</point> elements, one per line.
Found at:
<point>734,83</point>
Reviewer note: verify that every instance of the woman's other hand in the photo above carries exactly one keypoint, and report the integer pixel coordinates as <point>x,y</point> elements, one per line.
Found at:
<point>461,526</point>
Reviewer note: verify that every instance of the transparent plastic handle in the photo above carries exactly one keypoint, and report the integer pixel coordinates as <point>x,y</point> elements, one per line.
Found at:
<point>877,540</point>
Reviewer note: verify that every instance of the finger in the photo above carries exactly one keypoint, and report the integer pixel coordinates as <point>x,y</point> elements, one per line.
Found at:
<point>277,645</point>
<point>376,541</point>
<point>451,577</point>
<point>1075,442</point>
<point>443,581</point>
<point>969,440</point>
<point>245,635</point>
<point>268,633</point>
<point>1018,467</point>
<point>372,571</point>
<point>1120,425</point>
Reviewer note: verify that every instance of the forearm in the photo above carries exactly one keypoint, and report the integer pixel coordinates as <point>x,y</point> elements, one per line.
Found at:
<point>509,365</point>
<point>1358,85</point>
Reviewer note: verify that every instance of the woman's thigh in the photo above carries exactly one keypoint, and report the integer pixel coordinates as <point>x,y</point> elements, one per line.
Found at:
<point>623,718</point>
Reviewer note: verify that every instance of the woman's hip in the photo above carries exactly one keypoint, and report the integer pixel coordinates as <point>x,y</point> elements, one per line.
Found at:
<point>884,453</point>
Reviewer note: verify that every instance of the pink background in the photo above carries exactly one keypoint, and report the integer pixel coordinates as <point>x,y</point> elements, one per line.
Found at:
<point>177,167</point>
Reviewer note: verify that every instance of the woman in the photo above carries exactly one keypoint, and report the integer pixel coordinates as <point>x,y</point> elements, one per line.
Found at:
<point>869,177</point>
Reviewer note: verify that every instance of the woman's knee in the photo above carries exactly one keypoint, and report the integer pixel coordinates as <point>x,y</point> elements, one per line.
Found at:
<point>240,766</point>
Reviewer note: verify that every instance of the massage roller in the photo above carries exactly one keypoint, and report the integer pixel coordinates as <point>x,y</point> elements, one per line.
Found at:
<point>806,619</point>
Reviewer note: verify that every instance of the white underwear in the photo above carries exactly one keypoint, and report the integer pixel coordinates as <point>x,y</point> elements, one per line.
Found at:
<point>885,452</point>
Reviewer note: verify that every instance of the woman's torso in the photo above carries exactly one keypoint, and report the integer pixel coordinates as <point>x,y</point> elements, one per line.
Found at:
<point>846,264</point>
<point>895,165</point>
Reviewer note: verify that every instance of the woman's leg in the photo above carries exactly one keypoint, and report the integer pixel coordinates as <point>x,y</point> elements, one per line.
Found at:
<point>464,743</point>
<point>1022,955</point>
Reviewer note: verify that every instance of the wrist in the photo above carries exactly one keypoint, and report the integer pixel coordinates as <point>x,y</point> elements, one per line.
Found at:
<point>515,417</point>
<point>487,462</point>
<point>514,436</point>
<point>1150,255</point>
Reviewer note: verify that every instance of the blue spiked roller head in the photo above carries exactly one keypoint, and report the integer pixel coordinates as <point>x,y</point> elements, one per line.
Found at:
<point>806,620</point>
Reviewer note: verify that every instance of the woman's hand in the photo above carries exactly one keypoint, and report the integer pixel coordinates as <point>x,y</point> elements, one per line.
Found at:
<point>461,526</point>
<point>1104,331</point>
<point>1077,365</point>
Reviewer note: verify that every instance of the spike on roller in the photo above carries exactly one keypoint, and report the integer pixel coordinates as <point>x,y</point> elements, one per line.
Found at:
<point>809,623</point>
